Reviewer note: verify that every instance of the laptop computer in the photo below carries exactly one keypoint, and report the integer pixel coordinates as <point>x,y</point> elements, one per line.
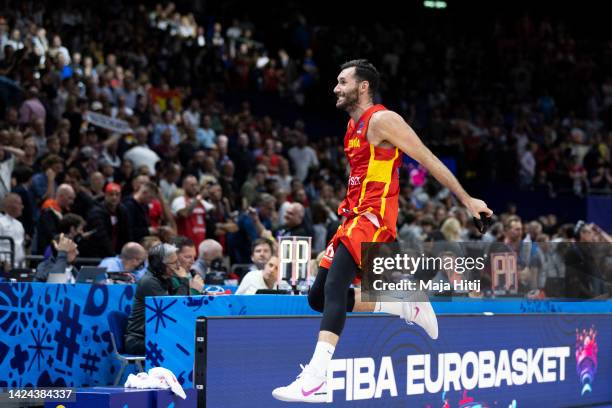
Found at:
<point>20,275</point>
<point>91,274</point>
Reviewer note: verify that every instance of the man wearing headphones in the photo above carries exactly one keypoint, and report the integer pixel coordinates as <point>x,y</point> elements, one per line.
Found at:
<point>157,281</point>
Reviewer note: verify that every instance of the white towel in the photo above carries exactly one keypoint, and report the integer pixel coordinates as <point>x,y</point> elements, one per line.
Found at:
<point>157,377</point>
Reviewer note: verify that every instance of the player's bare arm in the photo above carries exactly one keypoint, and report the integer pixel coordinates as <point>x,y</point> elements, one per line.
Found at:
<point>388,128</point>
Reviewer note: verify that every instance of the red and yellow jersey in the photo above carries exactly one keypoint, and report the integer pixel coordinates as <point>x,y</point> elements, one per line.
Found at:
<point>373,185</point>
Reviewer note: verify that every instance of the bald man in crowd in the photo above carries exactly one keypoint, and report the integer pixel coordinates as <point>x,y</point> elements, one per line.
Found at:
<point>294,224</point>
<point>129,262</point>
<point>53,209</point>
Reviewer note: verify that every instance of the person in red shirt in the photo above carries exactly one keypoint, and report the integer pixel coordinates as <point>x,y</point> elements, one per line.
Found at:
<point>374,143</point>
<point>189,211</point>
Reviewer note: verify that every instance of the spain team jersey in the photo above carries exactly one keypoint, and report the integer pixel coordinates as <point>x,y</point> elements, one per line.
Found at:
<point>373,185</point>
<point>372,197</point>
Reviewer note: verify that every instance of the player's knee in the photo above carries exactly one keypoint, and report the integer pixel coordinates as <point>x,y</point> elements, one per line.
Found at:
<point>315,300</point>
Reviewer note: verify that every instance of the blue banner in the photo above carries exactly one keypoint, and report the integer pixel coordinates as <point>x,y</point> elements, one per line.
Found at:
<point>57,334</point>
<point>170,320</point>
<point>478,361</point>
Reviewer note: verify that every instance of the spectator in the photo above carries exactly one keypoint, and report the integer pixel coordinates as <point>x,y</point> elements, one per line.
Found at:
<point>163,266</point>
<point>219,221</point>
<point>52,212</point>
<point>108,221</point>
<point>209,264</point>
<point>189,211</point>
<point>31,108</point>
<point>303,158</point>
<point>129,261</point>
<point>137,212</point>
<point>141,154</point>
<point>205,135</point>
<point>60,262</point>
<point>44,183</point>
<point>294,224</point>
<point>186,253</point>
<point>260,279</point>
<point>252,224</point>
<point>260,254</point>
<point>23,180</point>
<point>10,226</point>
<point>7,164</point>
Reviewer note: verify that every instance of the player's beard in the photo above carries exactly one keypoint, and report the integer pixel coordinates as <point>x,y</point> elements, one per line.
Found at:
<point>350,100</point>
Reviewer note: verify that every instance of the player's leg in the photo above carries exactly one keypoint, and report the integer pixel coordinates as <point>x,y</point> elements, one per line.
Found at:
<point>414,308</point>
<point>310,386</point>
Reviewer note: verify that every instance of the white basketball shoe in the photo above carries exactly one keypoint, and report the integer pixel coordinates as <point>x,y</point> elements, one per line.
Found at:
<point>309,386</point>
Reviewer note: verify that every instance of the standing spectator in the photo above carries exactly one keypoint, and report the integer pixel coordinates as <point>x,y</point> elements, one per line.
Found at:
<point>206,135</point>
<point>303,157</point>
<point>167,125</point>
<point>528,166</point>
<point>108,221</point>
<point>23,179</point>
<point>190,212</point>
<point>52,212</point>
<point>31,108</point>
<point>218,217</point>
<point>137,211</point>
<point>7,164</point>
<point>141,154</point>
<point>44,182</point>
<point>11,227</point>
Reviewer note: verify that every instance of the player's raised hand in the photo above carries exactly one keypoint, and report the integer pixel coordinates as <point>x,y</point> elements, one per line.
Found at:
<point>476,206</point>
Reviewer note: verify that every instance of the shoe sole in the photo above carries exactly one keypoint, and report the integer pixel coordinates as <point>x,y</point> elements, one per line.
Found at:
<point>291,399</point>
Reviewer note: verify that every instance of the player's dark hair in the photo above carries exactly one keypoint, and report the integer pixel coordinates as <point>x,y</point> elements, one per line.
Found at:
<point>364,71</point>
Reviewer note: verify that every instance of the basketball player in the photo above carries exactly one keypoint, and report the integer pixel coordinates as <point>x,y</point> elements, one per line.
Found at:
<point>374,142</point>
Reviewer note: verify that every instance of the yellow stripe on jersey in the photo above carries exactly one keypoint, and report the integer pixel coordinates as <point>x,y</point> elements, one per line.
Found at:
<point>377,233</point>
<point>350,230</point>
<point>379,171</point>
<point>383,199</point>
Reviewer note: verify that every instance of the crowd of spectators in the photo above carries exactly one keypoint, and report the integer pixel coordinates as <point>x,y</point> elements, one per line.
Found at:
<point>530,106</point>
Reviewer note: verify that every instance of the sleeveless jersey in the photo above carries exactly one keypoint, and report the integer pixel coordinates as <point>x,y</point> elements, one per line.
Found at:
<point>373,185</point>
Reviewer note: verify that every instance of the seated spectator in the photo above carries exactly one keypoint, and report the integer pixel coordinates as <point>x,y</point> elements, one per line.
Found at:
<point>260,254</point>
<point>11,227</point>
<point>186,253</point>
<point>260,279</point>
<point>163,265</point>
<point>50,216</point>
<point>294,224</point>
<point>129,261</point>
<point>109,223</point>
<point>209,264</point>
<point>72,226</point>
<point>60,262</point>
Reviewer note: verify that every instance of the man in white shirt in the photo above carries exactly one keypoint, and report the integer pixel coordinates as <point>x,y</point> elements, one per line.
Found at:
<point>303,158</point>
<point>11,227</point>
<point>141,154</point>
<point>255,280</point>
